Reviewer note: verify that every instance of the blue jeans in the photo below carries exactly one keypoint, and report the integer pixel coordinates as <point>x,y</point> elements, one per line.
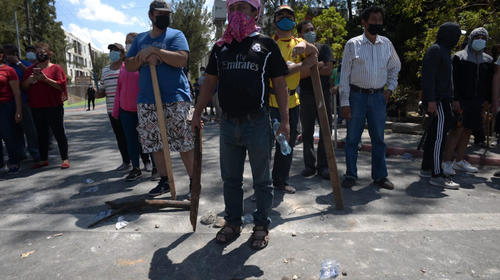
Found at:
<point>236,138</point>
<point>371,108</point>
<point>129,121</point>
<point>282,164</point>
<point>8,131</point>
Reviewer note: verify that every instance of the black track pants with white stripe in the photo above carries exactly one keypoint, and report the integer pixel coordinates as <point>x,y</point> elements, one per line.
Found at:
<point>436,137</point>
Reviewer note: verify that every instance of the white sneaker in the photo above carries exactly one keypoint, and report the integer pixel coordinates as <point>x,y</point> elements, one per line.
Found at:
<point>447,167</point>
<point>444,182</point>
<point>463,165</point>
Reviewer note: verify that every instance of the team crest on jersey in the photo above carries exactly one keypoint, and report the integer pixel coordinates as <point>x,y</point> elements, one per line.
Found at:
<point>256,48</point>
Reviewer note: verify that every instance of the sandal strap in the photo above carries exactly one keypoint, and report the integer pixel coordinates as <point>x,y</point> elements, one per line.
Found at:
<point>260,241</point>
<point>235,231</point>
<point>261,228</point>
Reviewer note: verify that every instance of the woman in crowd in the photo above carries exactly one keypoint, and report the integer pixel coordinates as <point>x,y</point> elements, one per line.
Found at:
<point>125,109</point>
<point>45,83</point>
<point>10,112</point>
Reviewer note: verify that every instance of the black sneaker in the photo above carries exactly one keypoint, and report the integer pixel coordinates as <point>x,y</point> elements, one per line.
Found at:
<point>133,175</point>
<point>348,182</point>
<point>324,173</point>
<point>161,188</point>
<point>384,184</point>
<point>308,172</point>
<point>123,167</point>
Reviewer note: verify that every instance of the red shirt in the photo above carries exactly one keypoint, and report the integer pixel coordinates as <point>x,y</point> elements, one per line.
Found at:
<point>7,74</point>
<point>43,95</point>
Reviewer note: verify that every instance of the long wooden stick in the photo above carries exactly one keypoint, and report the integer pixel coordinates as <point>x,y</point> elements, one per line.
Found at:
<point>163,130</point>
<point>155,203</point>
<point>122,207</point>
<point>327,137</point>
<point>196,183</point>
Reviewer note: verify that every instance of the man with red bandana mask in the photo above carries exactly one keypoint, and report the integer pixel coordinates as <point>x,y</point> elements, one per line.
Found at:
<point>243,62</point>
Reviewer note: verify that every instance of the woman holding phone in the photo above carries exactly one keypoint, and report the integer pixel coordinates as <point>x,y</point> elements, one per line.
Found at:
<point>45,83</point>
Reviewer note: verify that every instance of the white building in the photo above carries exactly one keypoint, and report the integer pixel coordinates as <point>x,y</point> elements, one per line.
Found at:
<point>78,61</point>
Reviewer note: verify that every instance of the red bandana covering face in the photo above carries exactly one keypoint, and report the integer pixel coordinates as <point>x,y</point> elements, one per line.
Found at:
<point>239,27</point>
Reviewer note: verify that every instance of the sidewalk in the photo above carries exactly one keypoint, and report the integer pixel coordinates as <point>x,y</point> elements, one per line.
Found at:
<point>404,144</point>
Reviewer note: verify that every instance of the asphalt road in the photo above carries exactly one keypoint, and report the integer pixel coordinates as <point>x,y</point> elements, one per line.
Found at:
<point>416,231</point>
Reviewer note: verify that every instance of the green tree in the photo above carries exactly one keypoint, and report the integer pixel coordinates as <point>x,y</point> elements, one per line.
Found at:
<point>47,29</point>
<point>430,15</point>
<point>100,60</point>
<point>329,24</point>
<point>7,23</point>
<point>194,21</point>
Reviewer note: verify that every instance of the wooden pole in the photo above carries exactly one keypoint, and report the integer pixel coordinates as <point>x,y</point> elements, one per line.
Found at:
<point>123,207</point>
<point>163,130</point>
<point>196,183</point>
<point>327,137</point>
<point>155,203</point>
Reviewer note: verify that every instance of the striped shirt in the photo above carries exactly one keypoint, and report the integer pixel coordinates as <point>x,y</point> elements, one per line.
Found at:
<point>368,65</point>
<point>109,79</point>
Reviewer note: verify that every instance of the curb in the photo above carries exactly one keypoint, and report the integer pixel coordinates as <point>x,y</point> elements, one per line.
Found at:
<point>396,151</point>
<point>83,109</point>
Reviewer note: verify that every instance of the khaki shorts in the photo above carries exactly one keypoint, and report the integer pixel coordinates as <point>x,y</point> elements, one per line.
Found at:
<point>178,123</point>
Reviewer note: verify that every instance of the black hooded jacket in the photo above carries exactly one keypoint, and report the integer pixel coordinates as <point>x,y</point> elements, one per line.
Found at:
<point>472,72</point>
<point>436,66</point>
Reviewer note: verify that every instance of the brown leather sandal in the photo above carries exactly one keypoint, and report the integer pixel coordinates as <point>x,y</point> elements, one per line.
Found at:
<point>227,234</point>
<point>260,238</point>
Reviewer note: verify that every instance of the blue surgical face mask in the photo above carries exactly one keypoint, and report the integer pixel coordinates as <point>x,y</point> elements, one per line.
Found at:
<point>114,56</point>
<point>479,44</point>
<point>31,56</point>
<point>310,37</point>
<point>285,24</point>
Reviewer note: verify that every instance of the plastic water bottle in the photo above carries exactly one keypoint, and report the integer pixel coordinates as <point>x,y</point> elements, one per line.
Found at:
<point>285,148</point>
<point>329,270</point>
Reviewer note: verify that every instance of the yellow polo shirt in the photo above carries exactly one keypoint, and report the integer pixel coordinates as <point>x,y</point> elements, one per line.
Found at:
<point>286,46</point>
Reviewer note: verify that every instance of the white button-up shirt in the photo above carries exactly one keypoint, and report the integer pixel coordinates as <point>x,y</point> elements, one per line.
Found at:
<point>368,65</point>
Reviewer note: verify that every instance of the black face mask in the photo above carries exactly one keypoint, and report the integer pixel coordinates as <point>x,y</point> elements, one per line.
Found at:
<point>42,57</point>
<point>375,29</point>
<point>162,22</point>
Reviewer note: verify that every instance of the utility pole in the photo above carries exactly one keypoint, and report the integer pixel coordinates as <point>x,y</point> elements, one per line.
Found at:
<point>17,35</point>
<point>93,68</point>
<point>349,10</point>
<point>28,21</point>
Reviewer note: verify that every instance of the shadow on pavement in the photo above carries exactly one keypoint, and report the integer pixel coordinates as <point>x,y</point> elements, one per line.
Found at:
<point>422,189</point>
<point>208,262</point>
<point>352,197</point>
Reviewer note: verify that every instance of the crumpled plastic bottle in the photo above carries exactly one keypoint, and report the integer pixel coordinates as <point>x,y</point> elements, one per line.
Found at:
<point>247,219</point>
<point>329,270</point>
